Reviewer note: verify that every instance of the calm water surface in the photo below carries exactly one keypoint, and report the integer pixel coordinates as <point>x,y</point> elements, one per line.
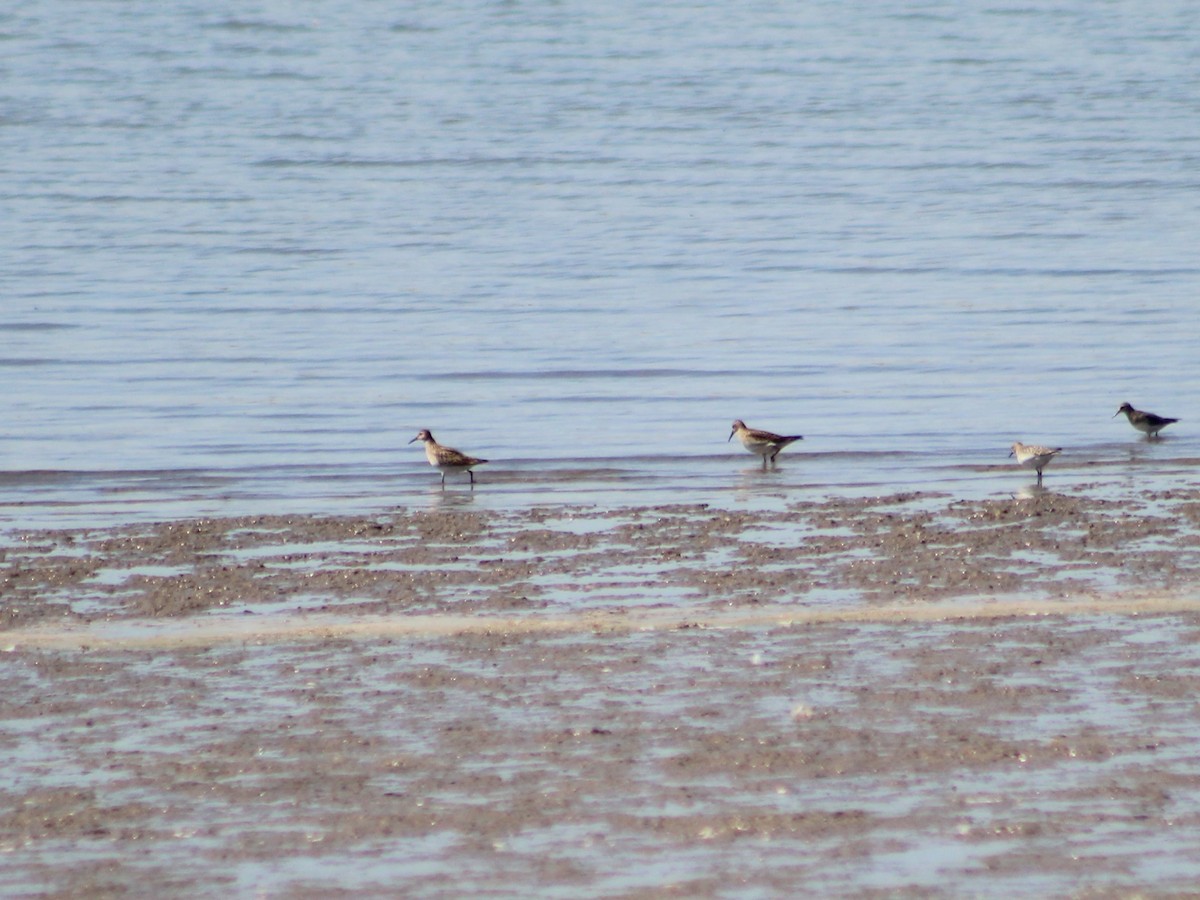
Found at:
<point>248,250</point>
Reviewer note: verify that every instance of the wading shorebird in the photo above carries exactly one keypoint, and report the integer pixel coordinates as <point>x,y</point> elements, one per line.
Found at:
<point>1031,456</point>
<point>764,443</point>
<point>446,459</point>
<point>1144,421</point>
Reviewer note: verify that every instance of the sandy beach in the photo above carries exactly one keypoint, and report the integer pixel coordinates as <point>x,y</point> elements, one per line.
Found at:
<point>916,696</point>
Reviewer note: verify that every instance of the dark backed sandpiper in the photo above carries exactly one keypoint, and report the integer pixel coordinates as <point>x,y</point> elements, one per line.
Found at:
<point>1144,421</point>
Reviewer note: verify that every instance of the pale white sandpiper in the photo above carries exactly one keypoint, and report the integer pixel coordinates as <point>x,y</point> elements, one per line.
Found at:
<point>1032,456</point>
<point>765,443</point>
<point>446,459</point>
<point>1144,421</point>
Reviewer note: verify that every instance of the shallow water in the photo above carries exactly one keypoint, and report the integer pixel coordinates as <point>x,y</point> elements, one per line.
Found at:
<point>915,757</point>
<point>250,251</point>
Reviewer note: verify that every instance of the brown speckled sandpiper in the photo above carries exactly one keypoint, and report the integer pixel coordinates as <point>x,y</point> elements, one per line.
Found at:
<point>765,443</point>
<point>446,459</point>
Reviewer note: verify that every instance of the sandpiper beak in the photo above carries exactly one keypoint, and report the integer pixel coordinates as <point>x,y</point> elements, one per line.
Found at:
<point>1011,453</point>
<point>731,434</point>
<point>1117,413</point>
<point>414,440</point>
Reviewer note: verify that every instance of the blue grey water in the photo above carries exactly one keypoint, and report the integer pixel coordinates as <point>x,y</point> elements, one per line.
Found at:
<point>249,249</point>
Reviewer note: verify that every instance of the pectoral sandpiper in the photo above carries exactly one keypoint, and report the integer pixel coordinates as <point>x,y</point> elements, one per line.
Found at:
<point>1144,421</point>
<point>446,459</point>
<point>764,443</point>
<point>1031,456</point>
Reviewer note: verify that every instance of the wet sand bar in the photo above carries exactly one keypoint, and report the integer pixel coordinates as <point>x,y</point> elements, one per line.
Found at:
<point>903,695</point>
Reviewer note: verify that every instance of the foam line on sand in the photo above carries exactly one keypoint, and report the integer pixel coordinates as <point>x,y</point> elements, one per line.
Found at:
<point>218,630</point>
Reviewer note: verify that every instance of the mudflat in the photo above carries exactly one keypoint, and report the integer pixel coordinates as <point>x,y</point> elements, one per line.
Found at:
<point>897,695</point>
